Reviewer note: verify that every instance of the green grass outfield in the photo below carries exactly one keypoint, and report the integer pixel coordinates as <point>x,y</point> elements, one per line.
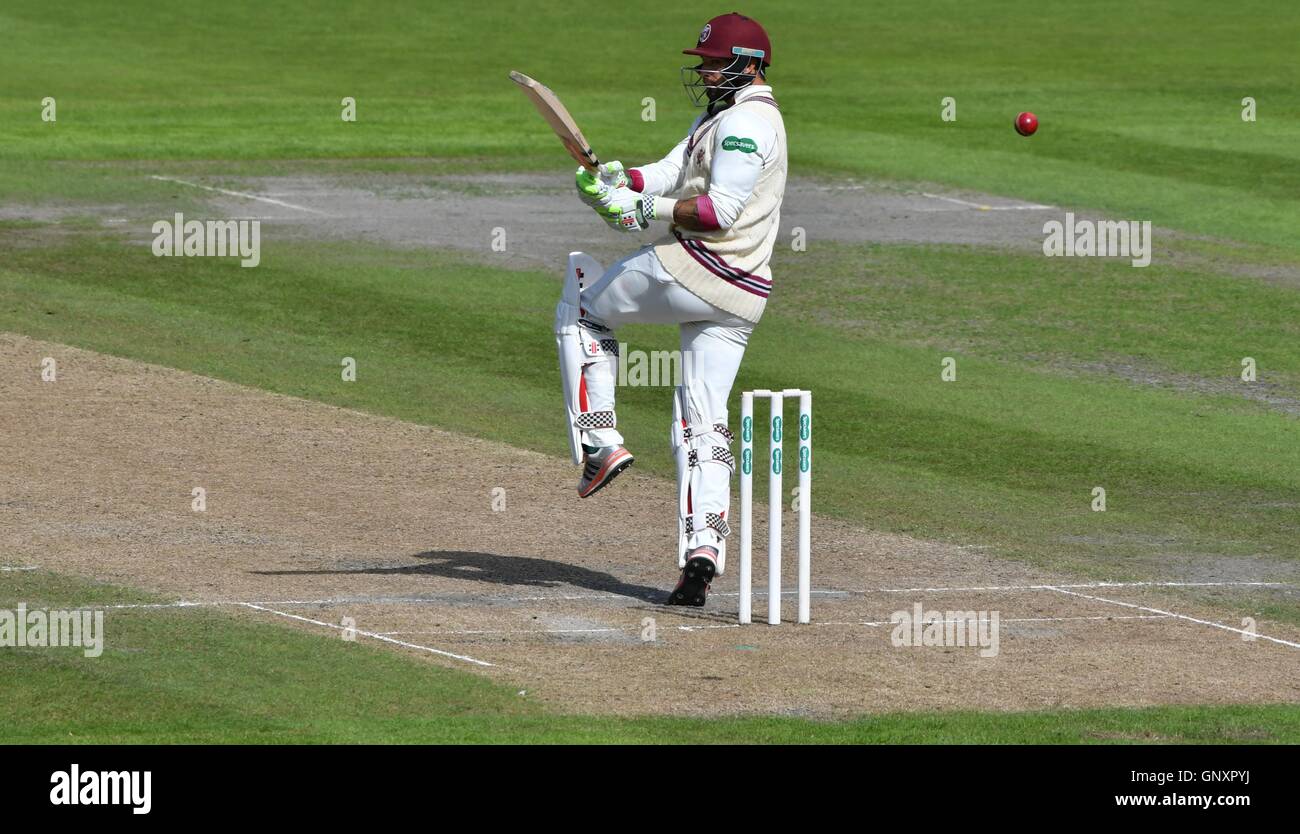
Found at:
<point>1140,119</point>
<point>201,676</point>
<point>1005,456</point>
<point>1139,103</point>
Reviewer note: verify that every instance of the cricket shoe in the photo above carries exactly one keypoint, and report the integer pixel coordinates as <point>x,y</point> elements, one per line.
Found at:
<point>693,587</point>
<point>601,467</point>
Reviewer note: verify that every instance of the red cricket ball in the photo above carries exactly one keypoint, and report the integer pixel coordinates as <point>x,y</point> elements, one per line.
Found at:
<point>1026,124</point>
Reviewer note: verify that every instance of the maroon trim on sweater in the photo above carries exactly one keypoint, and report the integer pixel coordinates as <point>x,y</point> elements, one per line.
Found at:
<point>708,215</point>
<point>746,281</point>
<point>712,121</point>
<point>700,133</point>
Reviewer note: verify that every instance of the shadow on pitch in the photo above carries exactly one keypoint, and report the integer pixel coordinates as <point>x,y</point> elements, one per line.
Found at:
<point>497,570</point>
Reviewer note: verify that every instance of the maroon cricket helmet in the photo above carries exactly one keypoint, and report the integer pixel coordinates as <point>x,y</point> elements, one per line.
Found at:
<point>728,35</point>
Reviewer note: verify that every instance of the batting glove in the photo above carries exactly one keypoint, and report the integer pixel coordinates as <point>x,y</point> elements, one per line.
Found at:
<point>613,175</point>
<point>629,211</point>
<point>592,190</point>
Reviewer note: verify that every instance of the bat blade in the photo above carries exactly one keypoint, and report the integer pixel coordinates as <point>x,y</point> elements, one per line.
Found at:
<point>557,116</point>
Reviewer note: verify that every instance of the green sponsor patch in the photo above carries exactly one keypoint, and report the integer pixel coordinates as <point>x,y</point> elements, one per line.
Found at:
<point>736,143</point>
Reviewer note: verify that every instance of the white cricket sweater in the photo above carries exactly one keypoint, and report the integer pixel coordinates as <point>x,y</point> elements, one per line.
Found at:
<point>729,266</point>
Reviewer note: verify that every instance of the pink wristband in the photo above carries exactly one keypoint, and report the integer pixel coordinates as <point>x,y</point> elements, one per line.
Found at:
<point>708,217</point>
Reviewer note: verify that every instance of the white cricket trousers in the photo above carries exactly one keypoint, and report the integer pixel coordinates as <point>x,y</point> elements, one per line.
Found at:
<point>638,290</point>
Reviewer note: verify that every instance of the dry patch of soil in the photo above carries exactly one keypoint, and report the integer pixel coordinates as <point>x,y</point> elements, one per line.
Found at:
<point>323,513</point>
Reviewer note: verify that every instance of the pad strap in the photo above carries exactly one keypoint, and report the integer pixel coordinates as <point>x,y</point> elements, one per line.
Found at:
<point>687,431</point>
<point>713,521</point>
<point>596,420</point>
<point>721,454</point>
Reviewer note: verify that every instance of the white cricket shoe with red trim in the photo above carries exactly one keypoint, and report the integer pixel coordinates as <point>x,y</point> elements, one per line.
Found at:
<point>601,467</point>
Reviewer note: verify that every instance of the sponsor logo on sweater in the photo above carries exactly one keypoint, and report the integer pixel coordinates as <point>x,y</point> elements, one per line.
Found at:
<point>737,143</point>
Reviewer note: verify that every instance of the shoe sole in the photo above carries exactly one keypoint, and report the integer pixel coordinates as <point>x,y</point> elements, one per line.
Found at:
<point>694,588</point>
<point>610,473</point>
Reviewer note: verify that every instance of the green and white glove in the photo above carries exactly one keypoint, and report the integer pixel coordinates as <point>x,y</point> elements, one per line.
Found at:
<point>629,211</point>
<point>594,188</point>
<point>613,175</point>
<point>591,190</point>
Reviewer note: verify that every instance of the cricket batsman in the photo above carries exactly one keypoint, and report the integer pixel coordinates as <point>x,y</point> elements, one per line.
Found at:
<point>717,195</point>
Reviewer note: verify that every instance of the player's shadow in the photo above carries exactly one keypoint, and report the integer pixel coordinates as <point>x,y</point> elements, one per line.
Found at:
<point>495,569</point>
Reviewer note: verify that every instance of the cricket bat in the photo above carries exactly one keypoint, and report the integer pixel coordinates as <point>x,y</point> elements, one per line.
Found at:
<point>553,110</point>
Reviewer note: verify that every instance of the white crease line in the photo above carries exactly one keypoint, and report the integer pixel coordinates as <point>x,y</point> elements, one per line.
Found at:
<point>179,604</point>
<point>1088,585</point>
<point>538,598</point>
<point>443,601</point>
<point>382,637</point>
<point>1044,619</point>
<point>1210,623</point>
<point>620,597</point>
<point>953,200</point>
<point>982,206</point>
<point>832,187</point>
<point>337,601</point>
<point>243,194</point>
<point>611,629</point>
<point>9,568</point>
<point>1019,620</point>
<point>458,633</point>
<point>763,593</point>
<point>547,598</point>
